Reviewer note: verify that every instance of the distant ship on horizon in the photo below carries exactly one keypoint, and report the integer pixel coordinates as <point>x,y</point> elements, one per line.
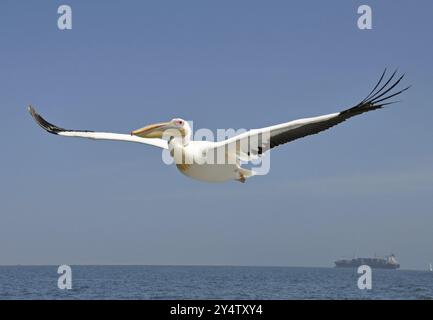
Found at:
<point>389,262</point>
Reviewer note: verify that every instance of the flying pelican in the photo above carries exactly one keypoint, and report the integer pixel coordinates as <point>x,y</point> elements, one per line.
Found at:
<point>192,157</point>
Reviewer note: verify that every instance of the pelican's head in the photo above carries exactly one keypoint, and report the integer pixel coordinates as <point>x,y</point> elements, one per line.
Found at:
<point>174,128</point>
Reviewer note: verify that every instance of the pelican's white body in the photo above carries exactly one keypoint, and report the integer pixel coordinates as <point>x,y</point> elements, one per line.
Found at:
<point>199,168</point>
<point>212,172</point>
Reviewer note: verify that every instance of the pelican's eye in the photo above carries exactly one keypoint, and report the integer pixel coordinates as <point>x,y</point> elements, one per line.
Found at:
<point>179,122</point>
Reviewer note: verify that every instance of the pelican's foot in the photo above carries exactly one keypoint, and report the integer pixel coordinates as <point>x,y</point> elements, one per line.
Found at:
<point>242,178</point>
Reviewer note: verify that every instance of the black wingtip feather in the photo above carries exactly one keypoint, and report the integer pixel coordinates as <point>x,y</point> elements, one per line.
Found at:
<point>375,97</point>
<point>375,87</point>
<point>379,91</point>
<point>392,95</point>
<point>44,124</point>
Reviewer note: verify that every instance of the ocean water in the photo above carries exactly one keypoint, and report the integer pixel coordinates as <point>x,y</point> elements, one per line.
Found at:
<point>201,282</point>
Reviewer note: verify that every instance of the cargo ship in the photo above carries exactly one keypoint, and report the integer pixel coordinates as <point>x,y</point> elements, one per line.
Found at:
<point>376,263</point>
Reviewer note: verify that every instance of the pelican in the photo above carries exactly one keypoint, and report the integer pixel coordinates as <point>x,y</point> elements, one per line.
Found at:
<point>196,159</point>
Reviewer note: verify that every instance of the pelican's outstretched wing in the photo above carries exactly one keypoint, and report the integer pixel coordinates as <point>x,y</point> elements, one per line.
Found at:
<point>253,143</point>
<point>51,128</point>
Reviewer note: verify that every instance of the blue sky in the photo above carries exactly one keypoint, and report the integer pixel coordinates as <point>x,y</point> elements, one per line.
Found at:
<point>362,188</point>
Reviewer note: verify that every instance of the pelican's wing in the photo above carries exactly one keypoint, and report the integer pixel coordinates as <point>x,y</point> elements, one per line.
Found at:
<point>51,128</point>
<point>251,144</point>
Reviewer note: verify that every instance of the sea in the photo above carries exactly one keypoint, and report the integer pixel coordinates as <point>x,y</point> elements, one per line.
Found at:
<point>209,282</point>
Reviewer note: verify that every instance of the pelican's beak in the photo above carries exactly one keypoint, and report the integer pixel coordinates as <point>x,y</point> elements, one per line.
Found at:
<point>152,131</point>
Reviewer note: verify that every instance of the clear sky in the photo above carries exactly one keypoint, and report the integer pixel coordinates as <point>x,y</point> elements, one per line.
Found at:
<point>361,188</point>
